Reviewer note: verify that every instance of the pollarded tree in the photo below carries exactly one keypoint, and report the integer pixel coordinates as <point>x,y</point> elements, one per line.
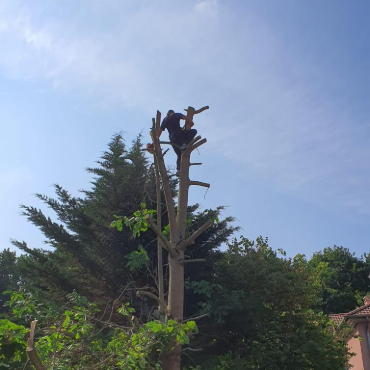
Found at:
<point>179,239</point>
<point>86,253</point>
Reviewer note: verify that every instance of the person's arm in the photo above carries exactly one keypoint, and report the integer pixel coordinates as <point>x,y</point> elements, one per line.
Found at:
<point>187,119</point>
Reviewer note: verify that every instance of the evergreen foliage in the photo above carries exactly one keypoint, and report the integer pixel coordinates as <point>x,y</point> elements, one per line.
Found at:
<point>9,277</point>
<point>261,310</point>
<point>87,254</point>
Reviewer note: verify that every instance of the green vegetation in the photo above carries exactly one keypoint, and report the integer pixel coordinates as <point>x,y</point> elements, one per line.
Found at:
<point>75,338</point>
<point>249,307</point>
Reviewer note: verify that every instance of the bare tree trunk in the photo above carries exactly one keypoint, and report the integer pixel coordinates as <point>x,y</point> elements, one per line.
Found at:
<point>159,243</point>
<point>178,242</point>
<point>31,350</point>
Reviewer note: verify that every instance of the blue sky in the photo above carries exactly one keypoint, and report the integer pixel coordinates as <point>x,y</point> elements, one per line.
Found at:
<point>287,83</point>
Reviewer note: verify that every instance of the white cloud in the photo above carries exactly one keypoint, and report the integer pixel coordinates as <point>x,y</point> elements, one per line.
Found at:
<point>158,55</point>
<point>209,7</point>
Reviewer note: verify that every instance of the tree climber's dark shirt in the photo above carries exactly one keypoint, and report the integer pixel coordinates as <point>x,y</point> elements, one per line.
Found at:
<point>172,124</point>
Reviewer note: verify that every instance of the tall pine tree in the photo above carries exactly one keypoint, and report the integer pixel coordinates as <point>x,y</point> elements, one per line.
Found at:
<point>87,254</point>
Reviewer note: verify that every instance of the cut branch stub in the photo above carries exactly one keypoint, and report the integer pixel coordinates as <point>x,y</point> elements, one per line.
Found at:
<point>189,147</point>
<point>31,350</point>
<point>198,144</point>
<point>193,236</point>
<point>158,121</point>
<point>199,183</point>
<point>191,111</point>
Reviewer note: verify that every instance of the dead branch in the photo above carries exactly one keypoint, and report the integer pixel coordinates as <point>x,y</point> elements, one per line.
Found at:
<point>195,164</point>
<point>191,111</point>
<point>189,149</point>
<point>166,244</point>
<point>198,144</point>
<point>158,121</point>
<point>199,183</point>
<point>31,350</point>
<point>165,152</point>
<point>201,109</point>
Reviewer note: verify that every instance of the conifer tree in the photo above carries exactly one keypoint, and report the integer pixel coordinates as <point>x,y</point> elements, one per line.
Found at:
<point>87,254</point>
<point>8,274</point>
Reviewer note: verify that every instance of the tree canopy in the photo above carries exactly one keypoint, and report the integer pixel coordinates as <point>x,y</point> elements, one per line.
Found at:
<point>344,278</point>
<point>256,308</point>
<point>87,254</point>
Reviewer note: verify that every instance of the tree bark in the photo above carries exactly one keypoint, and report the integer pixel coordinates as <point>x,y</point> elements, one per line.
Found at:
<point>178,239</point>
<point>31,350</point>
<point>159,242</point>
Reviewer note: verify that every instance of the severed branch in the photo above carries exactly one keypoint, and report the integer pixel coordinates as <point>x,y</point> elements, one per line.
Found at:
<point>166,244</point>
<point>193,236</point>
<point>199,183</point>
<point>157,121</point>
<point>198,144</point>
<point>191,111</point>
<point>189,147</point>
<point>164,153</point>
<point>201,109</point>
<point>31,350</point>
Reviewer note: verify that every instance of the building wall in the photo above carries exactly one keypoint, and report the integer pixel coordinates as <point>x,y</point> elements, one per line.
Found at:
<point>361,359</point>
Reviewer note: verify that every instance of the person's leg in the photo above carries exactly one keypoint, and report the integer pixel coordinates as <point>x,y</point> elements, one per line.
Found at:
<point>180,138</point>
<point>178,153</point>
<point>177,139</point>
<point>188,135</point>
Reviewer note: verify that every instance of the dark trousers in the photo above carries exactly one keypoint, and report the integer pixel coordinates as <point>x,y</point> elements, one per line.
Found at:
<point>181,137</point>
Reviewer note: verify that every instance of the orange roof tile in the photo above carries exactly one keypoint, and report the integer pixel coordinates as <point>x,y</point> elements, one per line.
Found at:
<point>361,311</point>
<point>337,317</point>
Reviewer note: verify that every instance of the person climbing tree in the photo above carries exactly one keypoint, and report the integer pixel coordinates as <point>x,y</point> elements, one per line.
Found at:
<point>178,136</point>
